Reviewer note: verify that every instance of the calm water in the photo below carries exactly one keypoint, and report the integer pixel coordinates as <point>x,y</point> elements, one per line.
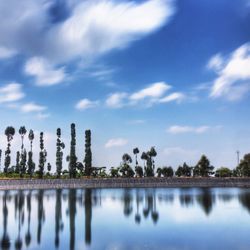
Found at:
<point>126,219</point>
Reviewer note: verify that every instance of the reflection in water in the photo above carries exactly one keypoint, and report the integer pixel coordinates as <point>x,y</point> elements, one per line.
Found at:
<point>206,200</point>
<point>5,242</point>
<point>28,234</point>
<point>72,215</point>
<point>141,206</point>
<point>58,217</point>
<point>88,215</point>
<point>40,215</point>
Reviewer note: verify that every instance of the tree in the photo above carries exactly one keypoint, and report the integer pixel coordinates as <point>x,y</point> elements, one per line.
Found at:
<point>0,158</point>
<point>17,169</point>
<point>125,169</point>
<point>167,171</point>
<point>49,167</point>
<point>223,172</point>
<point>159,172</point>
<point>31,164</point>
<point>149,158</point>
<point>23,163</point>
<point>136,151</point>
<point>9,132</point>
<point>244,167</point>
<point>59,153</point>
<point>184,170</point>
<point>88,153</point>
<point>22,132</point>
<point>42,156</point>
<point>72,159</point>
<point>204,167</point>
<point>139,171</point>
<point>114,172</point>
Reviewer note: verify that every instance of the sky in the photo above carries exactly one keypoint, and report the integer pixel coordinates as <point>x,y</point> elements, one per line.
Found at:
<point>174,74</point>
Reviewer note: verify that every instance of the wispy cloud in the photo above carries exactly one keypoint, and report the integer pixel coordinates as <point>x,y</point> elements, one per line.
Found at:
<point>86,104</point>
<point>91,29</point>
<point>116,100</point>
<point>233,74</point>
<point>44,72</point>
<point>32,107</point>
<point>176,96</point>
<point>11,92</point>
<point>176,129</point>
<point>153,91</point>
<point>116,142</point>
<point>6,53</point>
<point>151,94</point>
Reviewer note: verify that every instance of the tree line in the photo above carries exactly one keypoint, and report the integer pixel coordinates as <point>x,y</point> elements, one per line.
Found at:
<point>26,167</point>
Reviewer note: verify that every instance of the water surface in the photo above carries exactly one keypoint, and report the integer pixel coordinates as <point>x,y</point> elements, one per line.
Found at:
<point>118,219</point>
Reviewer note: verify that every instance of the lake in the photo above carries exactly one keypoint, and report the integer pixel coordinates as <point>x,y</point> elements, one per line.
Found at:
<point>117,219</point>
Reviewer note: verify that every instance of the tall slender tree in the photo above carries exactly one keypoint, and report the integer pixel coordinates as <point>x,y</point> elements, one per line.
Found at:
<point>17,168</point>
<point>42,156</point>
<point>0,159</point>
<point>59,153</point>
<point>23,163</point>
<point>88,153</point>
<point>136,152</point>
<point>31,163</point>
<point>22,132</point>
<point>72,159</point>
<point>9,132</point>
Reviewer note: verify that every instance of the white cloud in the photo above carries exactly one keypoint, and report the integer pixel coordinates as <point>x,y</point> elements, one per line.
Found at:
<point>216,62</point>
<point>152,94</point>
<point>32,107</point>
<point>6,53</point>
<point>96,27</point>
<point>86,104</point>
<point>155,90</point>
<point>176,96</point>
<point>116,100</point>
<point>90,29</point>
<point>116,142</point>
<point>11,92</point>
<point>233,80</point>
<point>42,116</point>
<point>44,72</point>
<point>176,129</point>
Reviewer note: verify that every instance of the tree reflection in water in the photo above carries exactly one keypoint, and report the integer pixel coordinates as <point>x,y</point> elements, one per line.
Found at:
<point>206,199</point>
<point>137,204</point>
<point>58,217</point>
<point>88,215</point>
<point>40,214</point>
<point>5,242</point>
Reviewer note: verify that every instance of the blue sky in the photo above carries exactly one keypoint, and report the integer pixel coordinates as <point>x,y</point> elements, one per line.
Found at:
<point>169,74</point>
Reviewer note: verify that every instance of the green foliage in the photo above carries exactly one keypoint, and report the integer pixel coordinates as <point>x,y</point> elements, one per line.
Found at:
<point>42,156</point>
<point>17,168</point>
<point>149,158</point>
<point>59,153</point>
<point>23,163</point>
<point>114,172</point>
<point>126,169</point>
<point>9,132</point>
<point>243,170</point>
<point>203,167</point>
<point>139,171</point>
<point>88,153</point>
<point>49,167</point>
<point>167,171</point>
<point>31,164</point>
<point>184,170</point>
<point>72,157</point>
<point>223,172</point>
<point>136,152</point>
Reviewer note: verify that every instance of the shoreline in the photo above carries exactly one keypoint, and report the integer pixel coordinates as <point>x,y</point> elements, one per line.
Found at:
<point>153,182</point>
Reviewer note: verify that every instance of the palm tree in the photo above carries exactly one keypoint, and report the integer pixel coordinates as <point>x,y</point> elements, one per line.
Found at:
<point>144,157</point>
<point>136,151</point>
<point>22,132</point>
<point>9,132</point>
